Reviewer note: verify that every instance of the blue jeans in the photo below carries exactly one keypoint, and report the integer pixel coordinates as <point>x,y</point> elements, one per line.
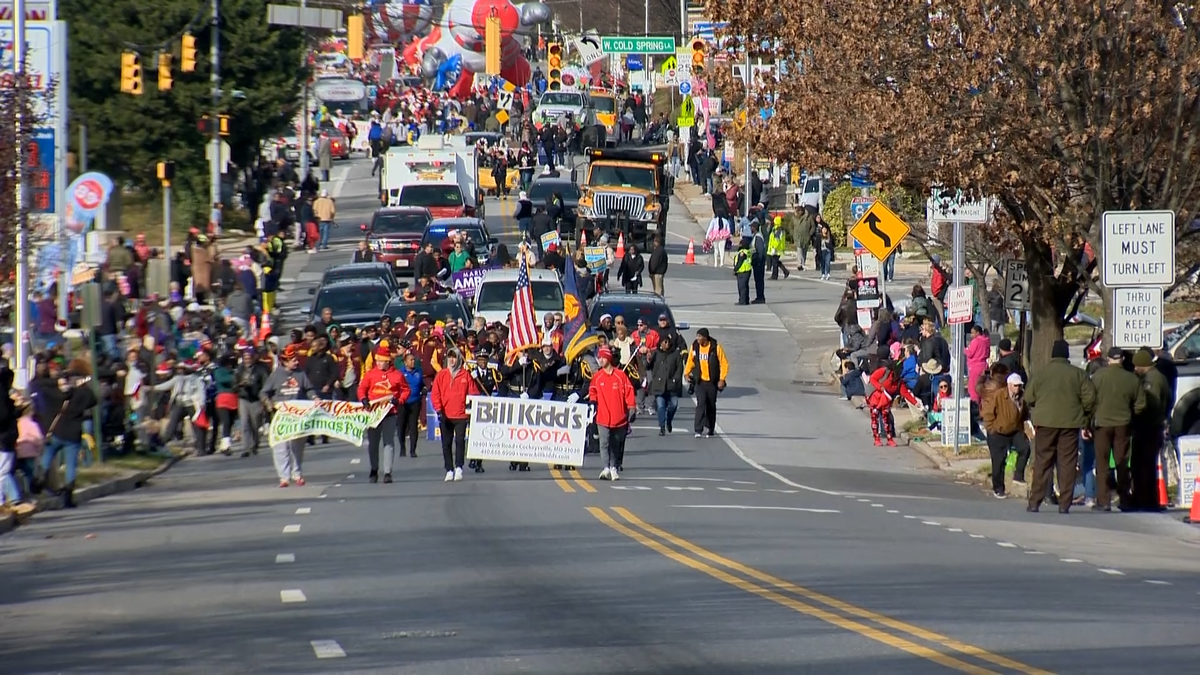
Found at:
<point>323,228</point>
<point>53,445</point>
<point>826,261</point>
<point>1087,461</point>
<point>523,224</point>
<point>109,342</point>
<point>889,268</point>
<point>666,404</point>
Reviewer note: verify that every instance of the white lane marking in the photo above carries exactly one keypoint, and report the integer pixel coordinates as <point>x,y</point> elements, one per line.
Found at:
<point>753,329</point>
<point>875,495</point>
<point>1070,560</point>
<point>339,182</point>
<point>1156,582</point>
<point>291,529</point>
<point>356,460</point>
<point>931,522</point>
<point>877,506</point>
<point>710,480</point>
<point>753,508</point>
<point>1035,553</point>
<point>285,558</point>
<point>691,488</point>
<point>337,485</point>
<point>327,649</point>
<point>303,510</point>
<point>892,511</point>
<point>350,477</point>
<point>729,489</point>
<point>784,492</point>
<point>910,517</point>
<point>322,496</point>
<point>1115,573</point>
<point>744,482</point>
<point>1005,544</point>
<point>977,536</point>
<point>774,474</point>
<point>292,595</point>
<point>954,529</point>
<point>629,487</point>
<point>864,501</point>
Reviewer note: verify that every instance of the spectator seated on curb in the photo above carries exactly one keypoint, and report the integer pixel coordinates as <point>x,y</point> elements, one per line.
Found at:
<point>851,379</point>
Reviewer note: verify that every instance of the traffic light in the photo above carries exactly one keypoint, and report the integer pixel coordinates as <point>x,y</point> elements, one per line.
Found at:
<point>204,126</point>
<point>188,63</point>
<point>164,72</point>
<point>166,173</point>
<point>131,74</point>
<point>491,45</point>
<point>698,47</point>
<point>554,55</point>
<point>355,36</point>
<point>223,125</point>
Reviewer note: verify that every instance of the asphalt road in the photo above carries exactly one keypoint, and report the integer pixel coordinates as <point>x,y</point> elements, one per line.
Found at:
<point>787,544</point>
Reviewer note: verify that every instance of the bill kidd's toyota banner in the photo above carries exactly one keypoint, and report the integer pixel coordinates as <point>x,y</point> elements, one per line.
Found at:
<point>527,430</point>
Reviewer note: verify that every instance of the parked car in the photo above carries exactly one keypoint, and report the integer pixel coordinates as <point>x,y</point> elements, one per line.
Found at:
<point>395,233</point>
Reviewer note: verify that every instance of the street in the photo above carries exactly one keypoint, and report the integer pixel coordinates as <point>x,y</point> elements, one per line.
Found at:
<point>787,543</point>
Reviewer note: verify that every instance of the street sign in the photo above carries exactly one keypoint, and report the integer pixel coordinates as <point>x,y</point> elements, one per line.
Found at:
<point>707,29</point>
<point>685,87</point>
<point>868,265</point>
<point>1189,468</point>
<point>668,64</point>
<point>880,230</point>
<point>1139,248</point>
<point>959,305</point>
<point>956,421</point>
<point>634,63</point>
<point>687,113</point>
<point>958,210</point>
<point>1016,286</point>
<point>1137,317</point>
<point>739,120</point>
<point>868,296</point>
<point>670,76</point>
<point>638,45</point>
<point>588,49</point>
<point>504,100</point>
<point>502,116</point>
<point>859,206</point>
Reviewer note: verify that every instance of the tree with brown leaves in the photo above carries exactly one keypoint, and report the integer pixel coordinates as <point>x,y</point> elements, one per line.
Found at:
<point>1060,109</point>
<point>10,141</point>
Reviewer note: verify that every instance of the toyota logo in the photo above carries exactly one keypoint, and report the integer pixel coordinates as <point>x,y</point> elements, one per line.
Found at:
<point>492,433</point>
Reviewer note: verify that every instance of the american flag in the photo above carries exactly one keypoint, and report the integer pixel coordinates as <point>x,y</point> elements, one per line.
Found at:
<point>523,327</point>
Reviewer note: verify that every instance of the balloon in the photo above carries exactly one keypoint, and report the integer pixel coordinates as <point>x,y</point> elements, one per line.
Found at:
<point>448,72</point>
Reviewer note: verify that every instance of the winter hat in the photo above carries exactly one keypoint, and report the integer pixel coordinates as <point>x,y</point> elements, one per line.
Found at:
<point>1060,350</point>
<point>1143,359</point>
<point>605,353</point>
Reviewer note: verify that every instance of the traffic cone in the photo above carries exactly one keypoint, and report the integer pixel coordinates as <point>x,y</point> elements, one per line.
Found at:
<point>1194,515</point>
<point>266,327</point>
<point>253,332</point>
<point>690,258</point>
<point>582,238</point>
<point>620,246</point>
<point>1162,484</point>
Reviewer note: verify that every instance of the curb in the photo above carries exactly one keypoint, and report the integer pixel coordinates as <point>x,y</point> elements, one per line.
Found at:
<point>108,488</point>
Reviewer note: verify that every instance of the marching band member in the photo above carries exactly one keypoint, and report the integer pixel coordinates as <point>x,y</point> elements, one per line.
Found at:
<point>488,378</point>
<point>383,382</point>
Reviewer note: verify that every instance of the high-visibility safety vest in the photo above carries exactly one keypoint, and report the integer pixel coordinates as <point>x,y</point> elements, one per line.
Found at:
<point>777,244</point>
<point>742,262</point>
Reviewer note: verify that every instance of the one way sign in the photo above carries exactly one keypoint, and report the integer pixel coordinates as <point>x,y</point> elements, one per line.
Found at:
<point>879,230</point>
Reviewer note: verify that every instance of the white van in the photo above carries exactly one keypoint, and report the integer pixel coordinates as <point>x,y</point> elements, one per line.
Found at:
<point>494,294</point>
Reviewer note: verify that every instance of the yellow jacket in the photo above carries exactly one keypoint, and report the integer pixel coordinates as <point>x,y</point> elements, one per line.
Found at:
<point>699,368</point>
<point>323,209</point>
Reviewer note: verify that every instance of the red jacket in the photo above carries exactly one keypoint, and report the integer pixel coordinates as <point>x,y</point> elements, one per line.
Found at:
<point>450,391</point>
<point>614,398</point>
<point>887,386</point>
<point>377,384</point>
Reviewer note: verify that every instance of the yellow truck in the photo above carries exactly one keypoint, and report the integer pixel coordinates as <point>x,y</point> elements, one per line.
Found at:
<point>626,192</point>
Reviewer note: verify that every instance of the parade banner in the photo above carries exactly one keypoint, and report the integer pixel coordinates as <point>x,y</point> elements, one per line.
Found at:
<point>596,259</point>
<point>467,280</point>
<point>342,420</point>
<point>527,430</point>
<point>551,238</point>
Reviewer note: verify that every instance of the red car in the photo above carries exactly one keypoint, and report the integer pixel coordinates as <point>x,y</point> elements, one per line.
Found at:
<point>394,234</point>
<point>339,144</point>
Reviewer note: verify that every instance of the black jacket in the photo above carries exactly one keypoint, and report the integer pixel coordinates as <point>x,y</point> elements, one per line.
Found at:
<point>631,269</point>
<point>666,373</point>
<point>658,260</point>
<point>250,381</point>
<point>364,256</point>
<point>74,410</point>
<point>540,224</point>
<point>424,266</point>
<point>8,413</point>
<point>935,347</point>
<point>322,371</point>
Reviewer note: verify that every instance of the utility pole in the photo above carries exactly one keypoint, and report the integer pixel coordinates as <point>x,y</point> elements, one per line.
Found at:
<point>749,165</point>
<point>682,20</point>
<point>304,117</point>
<point>21,374</point>
<point>214,165</point>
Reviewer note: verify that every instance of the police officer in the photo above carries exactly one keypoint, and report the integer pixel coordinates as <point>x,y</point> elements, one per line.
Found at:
<point>1119,396</point>
<point>522,379</point>
<point>1148,432</point>
<point>742,268</point>
<point>758,259</point>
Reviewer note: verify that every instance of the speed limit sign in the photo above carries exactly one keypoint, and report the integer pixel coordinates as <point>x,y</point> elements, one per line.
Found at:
<point>1016,285</point>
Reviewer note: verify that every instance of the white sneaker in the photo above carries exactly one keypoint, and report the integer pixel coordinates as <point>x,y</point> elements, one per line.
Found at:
<point>613,475</point>
<point>699,435</point>
<point>458,473</point>
<point>605,473</point>
<point>449,476</point>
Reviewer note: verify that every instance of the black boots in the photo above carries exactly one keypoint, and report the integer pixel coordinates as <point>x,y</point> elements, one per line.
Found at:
<point>68,495</point>
<point>387,477</point>
<point>374,477</point>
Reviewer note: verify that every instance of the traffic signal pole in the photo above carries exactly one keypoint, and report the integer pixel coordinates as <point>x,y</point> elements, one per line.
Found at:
<point>214,164</point>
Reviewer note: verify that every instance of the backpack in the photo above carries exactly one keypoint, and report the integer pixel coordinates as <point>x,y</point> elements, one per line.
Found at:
<point>920,306</point>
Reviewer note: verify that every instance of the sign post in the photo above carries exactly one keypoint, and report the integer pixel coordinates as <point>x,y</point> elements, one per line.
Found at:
<point>880,231</point>
<point>1139,260</point>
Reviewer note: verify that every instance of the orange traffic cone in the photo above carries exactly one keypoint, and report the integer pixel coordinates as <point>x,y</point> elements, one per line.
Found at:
<point>1162,484</point>
<point>1194,516</point>
<point>266,327</point>
<point>620,246</point>
<point>253,332</point>
<point>690,258</point>
<point>582,238</point>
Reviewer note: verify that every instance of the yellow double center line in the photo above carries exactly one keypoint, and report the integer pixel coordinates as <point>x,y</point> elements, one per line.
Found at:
<point>563,479</point>
<point>945,651</point>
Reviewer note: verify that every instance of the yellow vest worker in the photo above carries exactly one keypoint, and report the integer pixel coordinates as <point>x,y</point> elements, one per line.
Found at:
<point>705,372</point>
<point>742,268</point>
<point>776,247</point>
